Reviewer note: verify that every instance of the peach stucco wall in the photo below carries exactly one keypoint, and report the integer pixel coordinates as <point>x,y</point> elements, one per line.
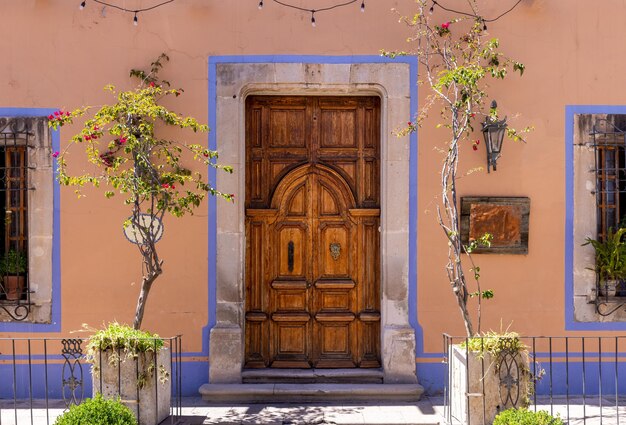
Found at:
<point>54,55</point>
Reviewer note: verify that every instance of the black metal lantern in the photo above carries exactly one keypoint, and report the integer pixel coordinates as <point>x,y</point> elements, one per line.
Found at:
<point>493,130</point>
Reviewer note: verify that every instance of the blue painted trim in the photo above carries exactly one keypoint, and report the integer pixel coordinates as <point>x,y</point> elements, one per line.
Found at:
<point>194,375</point>
<point>565,377</point>
<point>317,59</point>
<point>413,189</point>
<point>212,216</point>
<point>55,323</point>
<point>570,111</point>
<point>413,192</point>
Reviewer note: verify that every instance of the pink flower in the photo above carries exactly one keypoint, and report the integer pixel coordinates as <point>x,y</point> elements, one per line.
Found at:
<point>475,147</point>
<point>173,187</point>
<point>55,154</point>
<point>56,113</point>
<point>472,115</point>
<point>50,117</point>
<point>165,186</point>
<point>445,25</point>
<point>152,84</point>
<point>409,123</point>
<point>121,140</point>
<point>206,154</point>
<point>67,114</point>
<point>88,137</point>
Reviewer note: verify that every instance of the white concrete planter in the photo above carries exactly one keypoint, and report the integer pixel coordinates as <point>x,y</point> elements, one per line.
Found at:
<point>494,385</point>
<point>149,399</point>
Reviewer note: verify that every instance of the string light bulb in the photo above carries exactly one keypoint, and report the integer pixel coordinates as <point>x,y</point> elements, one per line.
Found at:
<point>135,12</point>
<point>342,3</point>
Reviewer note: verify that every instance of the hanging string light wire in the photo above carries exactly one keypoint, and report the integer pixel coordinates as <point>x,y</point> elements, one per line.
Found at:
<point>135,12</point>
<point>473,15</point>
<point>314,11</point>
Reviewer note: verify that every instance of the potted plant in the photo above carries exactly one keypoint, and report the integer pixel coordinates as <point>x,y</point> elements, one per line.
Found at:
<point>13,269</point>
<point>134,366</point>
<point>610,257</point>
<point>494,369</point>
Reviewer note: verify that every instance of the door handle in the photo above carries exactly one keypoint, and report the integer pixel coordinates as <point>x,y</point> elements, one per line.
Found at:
<point>290,249</point>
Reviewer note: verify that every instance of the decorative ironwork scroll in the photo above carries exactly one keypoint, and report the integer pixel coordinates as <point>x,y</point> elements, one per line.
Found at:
<point>509,373</point>
<point>16,312</point>
<point>73,389</point>
<point>16,125</point>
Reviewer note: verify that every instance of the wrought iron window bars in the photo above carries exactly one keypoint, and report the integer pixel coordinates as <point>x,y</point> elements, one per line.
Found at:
<point>16,136</point>
<point>609,145</point>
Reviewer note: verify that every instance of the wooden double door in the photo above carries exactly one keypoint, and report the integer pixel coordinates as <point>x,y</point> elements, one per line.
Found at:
<point>312,231</point>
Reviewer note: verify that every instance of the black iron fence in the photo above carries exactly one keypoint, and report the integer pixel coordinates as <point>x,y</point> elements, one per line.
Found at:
<point>40,378</point>
<point>579,378</point>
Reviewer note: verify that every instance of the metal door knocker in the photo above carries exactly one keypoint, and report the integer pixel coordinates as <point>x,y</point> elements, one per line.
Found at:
<point>335,250</point>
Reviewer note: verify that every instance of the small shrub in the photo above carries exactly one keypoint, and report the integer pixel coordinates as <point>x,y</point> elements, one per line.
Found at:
<point>526,417</point>
<point>98,411</point>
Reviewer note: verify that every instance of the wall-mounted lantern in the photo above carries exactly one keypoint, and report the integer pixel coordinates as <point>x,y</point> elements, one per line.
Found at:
<point>493,130</point>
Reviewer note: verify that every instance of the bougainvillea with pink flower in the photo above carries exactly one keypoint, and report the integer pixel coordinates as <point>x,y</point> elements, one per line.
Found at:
<point>457,58</point>
<point>150,173</point>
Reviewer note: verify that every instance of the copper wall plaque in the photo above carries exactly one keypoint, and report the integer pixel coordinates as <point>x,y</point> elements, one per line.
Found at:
<point>505,218</point>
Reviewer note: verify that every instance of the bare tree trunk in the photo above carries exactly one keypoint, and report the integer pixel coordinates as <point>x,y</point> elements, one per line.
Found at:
<point>146,285</point>
<point>450,225</point>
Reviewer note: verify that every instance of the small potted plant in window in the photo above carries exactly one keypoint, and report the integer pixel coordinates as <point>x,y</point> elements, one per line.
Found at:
<point>610,260</point>
<point>13,269</point>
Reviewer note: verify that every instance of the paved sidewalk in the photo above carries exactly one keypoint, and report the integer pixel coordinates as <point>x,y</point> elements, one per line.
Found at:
<point>196,412</point>
<point>420,413</point>
<point>428,411</point>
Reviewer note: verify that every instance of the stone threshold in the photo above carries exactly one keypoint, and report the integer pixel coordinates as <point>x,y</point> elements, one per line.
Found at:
<point>312,376</point>
<point>310,393</point>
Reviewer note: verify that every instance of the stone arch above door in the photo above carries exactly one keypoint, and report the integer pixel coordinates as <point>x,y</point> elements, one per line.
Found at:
<point>233,80</point>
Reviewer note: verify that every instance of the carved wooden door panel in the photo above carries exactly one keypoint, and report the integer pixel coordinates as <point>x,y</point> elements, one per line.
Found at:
<point>312,217</point>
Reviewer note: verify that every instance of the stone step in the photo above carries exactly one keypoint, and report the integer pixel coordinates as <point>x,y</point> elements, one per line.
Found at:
<point>310,393</point>
<point>312,376</point>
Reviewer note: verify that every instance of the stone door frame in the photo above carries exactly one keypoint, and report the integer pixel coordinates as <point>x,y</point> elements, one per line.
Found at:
<point>231,80</point>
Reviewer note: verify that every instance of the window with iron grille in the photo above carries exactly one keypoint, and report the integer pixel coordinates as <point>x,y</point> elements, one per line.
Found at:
<point>26,213</point>
<point>14,204</point>
<point>608,142</point>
